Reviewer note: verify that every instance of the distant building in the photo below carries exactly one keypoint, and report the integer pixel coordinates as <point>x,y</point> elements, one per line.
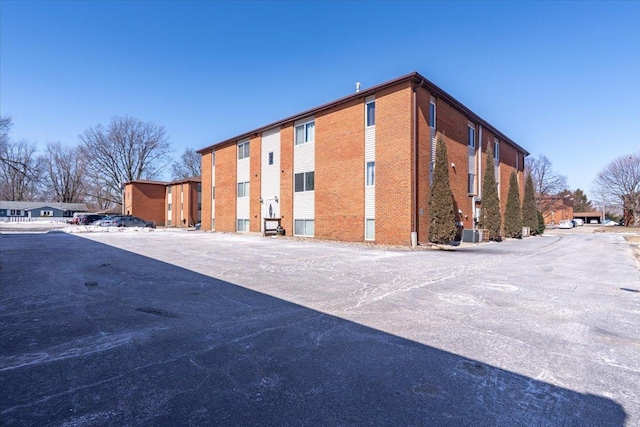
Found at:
<point>171,204</point>
<point>22,211</point>
<point>556,208</point>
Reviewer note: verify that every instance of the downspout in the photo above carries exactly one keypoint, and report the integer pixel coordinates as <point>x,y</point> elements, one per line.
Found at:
<point>414,180</point>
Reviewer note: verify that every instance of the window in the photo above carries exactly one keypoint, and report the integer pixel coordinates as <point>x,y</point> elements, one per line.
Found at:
<point>15,212</point>
<point>199,206</point>
<point>304,227</point>
<point>46,213</point>
<point>370,229</point>
<point>243,189</point>
<point>472,183</point>
<point>496,149</point>
<point>243,225</point>
<point>472,137</point>
<point>213,158</point>
<point>243,150</point>
<point>168,223</point>
<point>305,133</point>
<point>371,173</point>
<point>169,189</point>
<point>271,157</point>
<point>304,181</point>
<point>169,207</point>
<point>213,224</point>
<point>213,193</point>
<point>371,113</point>
<point>432,114</point>
<point>199,188</point>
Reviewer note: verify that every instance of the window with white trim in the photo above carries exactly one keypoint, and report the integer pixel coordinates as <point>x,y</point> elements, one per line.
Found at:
<point>304,181</point>
<point>371,113</point>
<point>213,158</point>
<point>370,229</point>
<point>371,174</point>
<point>15,212</point>
<point>243,150</point>
<point>169,189</point>
<point>471,183</point>
<point>496,149</point>
<point>305,132</point>
<point>270,157</point>
<point>304,227</point>
<point>243,189</point>
<point>213,193</point>
<point>472,137</point>
<point>46,213</point>
<point>242,225</point>
<point>432,114</point>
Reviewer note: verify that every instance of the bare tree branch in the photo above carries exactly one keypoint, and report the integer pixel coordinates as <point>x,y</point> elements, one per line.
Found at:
<point>127,149</point>
<point>189,165</point>
<point>546,182</point>
<point>619,183</point>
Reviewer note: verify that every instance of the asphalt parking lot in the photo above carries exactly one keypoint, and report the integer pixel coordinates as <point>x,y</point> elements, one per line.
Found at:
<point>195,328</point>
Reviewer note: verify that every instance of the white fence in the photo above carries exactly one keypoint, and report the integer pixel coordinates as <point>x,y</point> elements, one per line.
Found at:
<point>35,219</point>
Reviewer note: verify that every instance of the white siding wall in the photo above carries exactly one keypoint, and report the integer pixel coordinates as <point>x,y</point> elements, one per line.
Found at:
<point>270,180</point>
<point>243,175</point>
<point>304,161</point>
<point>369,156</point>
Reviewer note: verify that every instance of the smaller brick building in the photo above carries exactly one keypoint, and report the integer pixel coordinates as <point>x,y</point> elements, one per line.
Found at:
<point>556,209</point>
<point>171,204</point>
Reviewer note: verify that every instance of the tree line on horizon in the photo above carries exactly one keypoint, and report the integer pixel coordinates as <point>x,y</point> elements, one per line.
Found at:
<point>94,170</point>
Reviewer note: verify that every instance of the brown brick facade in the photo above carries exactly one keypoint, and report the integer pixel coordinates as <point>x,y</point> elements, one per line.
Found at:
<point>339,173</point>
<point>402,176</point>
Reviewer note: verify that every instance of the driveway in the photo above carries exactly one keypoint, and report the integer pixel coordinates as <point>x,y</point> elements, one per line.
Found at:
<point>195,328</point>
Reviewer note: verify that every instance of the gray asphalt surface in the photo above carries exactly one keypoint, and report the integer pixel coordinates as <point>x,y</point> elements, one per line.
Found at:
<point>194,328</point>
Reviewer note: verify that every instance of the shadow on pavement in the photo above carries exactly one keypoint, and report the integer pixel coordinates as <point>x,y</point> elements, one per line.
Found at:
<point>94,335</point>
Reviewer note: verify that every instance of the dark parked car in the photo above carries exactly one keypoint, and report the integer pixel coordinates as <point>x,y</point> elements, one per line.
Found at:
<point>127,221</point>
<point>89,218</point>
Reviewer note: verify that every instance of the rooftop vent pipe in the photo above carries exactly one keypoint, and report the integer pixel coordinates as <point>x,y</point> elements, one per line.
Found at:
<point>357,87</point>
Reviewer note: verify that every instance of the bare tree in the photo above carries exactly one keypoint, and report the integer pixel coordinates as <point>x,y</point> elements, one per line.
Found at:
<point>65,173</point>
<point>190,165</point>
<point>126,149</point>
<point>619,182</point>
<point>546,182</point>
<point>20,170</point>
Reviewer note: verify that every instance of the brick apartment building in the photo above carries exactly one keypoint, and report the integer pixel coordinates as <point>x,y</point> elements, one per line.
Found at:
<point>171,204</point>
<point>356,169</point>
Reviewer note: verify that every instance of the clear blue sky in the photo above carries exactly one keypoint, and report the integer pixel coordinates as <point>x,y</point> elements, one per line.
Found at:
<point>562,79</point>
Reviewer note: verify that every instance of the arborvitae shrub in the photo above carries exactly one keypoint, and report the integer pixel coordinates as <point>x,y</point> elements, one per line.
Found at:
<point>513,213</point>
<point>529,211</point>
<point>490,215</point>
<point>442,225</point>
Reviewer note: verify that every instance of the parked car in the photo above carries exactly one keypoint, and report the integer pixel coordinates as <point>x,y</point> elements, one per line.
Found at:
<point>127,221</point>
<point>565,223</point>
<point>99,222</point>
<point>89,218</point>
<point>579,221</point>
<point>593,221</point>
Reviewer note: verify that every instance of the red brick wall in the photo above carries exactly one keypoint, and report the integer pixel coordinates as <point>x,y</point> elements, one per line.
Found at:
<point>146,200</point>
<point>339,172</point>
<point>255,207</point>
<point>423,100</point>
<point>206,190</point>
<point>226,187</point>
<point>394,165</point>
<point>286,177</point>
<point>452,125</point>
